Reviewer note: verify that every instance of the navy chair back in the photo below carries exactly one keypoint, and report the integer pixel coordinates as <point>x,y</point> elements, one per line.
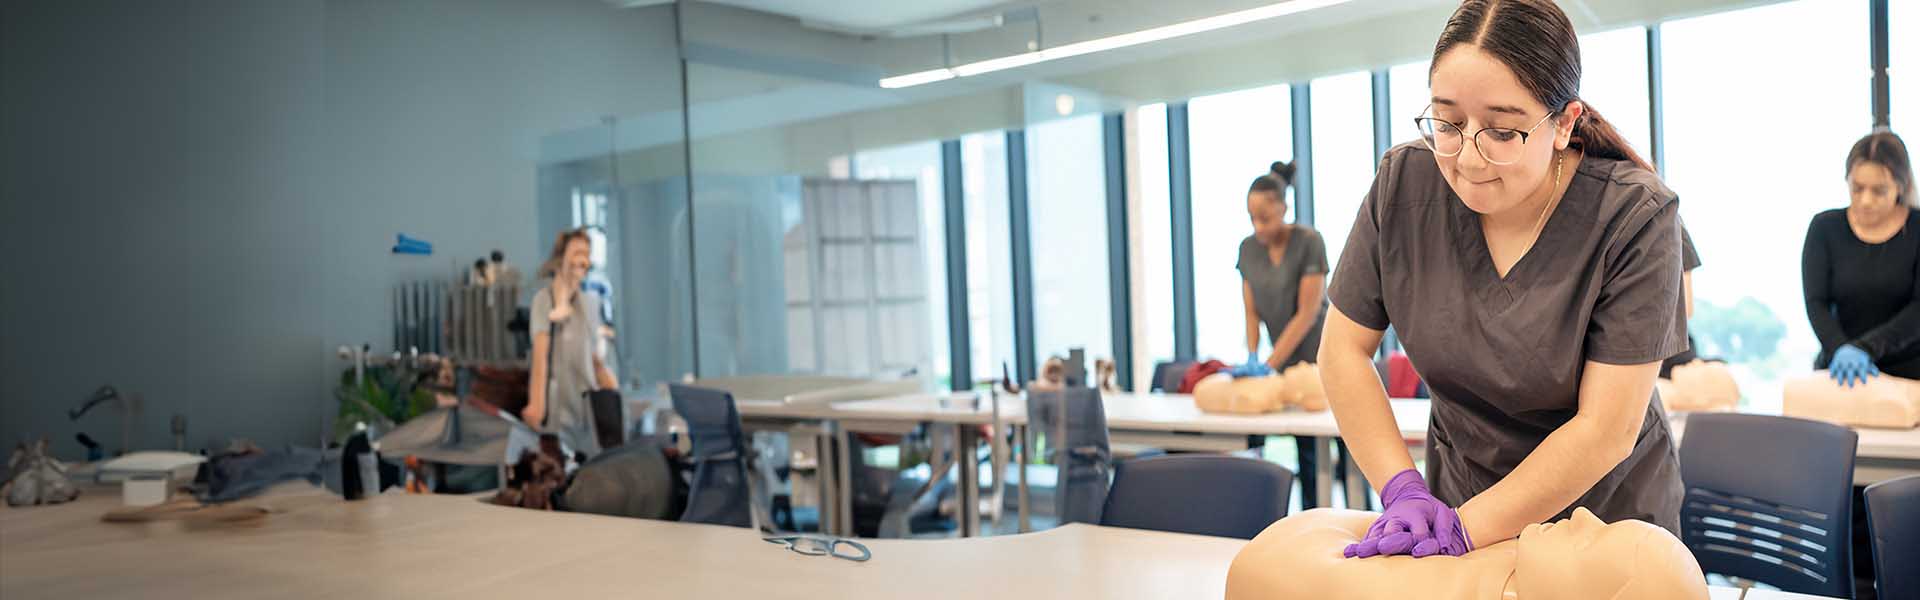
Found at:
<point>1205,494</point>
<point>1893,518</point>
<point>1075,425</point>
<point>1167,376</point>
<point>1769,499</point>
<point>718,494</point>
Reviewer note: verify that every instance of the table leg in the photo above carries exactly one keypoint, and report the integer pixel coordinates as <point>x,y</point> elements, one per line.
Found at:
<point>966,442</point>
<point>1323,472</point>
<point>843,480</point>
<point>1026,449</point>
<point>825,474</point>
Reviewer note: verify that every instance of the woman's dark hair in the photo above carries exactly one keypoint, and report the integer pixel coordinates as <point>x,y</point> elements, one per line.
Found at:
<point>1536,40</point>
<point>1884,148</point>
<point>1278,178</point>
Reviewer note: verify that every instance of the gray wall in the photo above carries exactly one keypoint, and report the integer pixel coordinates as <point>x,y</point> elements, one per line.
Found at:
<point>197,198</point>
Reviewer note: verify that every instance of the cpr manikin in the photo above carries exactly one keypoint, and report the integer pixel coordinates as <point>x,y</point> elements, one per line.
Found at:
<point>1299,385</point>
<point>1577,558</point>
<point>1884,401</point>
<point>1699,386</point>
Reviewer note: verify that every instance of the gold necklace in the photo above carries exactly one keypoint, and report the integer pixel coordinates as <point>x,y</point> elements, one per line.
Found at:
<point>1559,160</point>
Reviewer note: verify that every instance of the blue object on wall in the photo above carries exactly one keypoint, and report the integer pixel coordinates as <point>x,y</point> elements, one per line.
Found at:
<point>406,245</point>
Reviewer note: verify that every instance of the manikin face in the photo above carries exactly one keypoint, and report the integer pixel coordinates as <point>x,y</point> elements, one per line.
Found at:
<point>1583,558</point>
<point>1473,91</point>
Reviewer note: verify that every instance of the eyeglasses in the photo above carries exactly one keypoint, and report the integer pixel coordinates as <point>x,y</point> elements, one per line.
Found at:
<point>814,545</point>
<point>1498,145</point>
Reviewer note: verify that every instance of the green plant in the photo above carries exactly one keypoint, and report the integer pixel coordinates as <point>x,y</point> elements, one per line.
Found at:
<point>385,397</point>
<point>1745,332</point>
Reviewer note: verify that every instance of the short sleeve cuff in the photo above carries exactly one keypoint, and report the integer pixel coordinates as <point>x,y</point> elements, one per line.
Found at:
<point>1368,313</point>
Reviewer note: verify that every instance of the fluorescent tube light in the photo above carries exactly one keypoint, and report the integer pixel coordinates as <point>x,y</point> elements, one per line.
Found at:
<point>913,79</point>
<point>1123,40</point>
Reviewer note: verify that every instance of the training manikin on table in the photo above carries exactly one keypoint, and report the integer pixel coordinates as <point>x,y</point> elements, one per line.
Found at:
<point>1884,402</point>
<point>1577,558</point>
<point>1699,386</point>
<point>1298,386</point>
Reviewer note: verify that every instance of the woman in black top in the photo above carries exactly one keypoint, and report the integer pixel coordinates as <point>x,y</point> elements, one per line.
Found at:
<point>1861,268</point>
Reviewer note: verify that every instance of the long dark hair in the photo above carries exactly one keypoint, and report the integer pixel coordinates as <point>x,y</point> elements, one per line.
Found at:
<point>1885,149</point>
<point>1279,177</point>
<point>1536,40</point>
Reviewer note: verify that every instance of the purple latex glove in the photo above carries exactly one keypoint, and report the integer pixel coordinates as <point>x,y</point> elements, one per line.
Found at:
<point>1414,522</point>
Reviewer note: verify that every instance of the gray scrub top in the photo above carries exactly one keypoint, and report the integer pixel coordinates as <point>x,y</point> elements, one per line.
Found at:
<point>570,373</point>
<point>1276,286</point>
<point>1503,356</point>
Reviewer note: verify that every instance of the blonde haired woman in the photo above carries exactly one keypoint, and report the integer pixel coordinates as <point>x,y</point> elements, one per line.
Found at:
<point>566,361</point>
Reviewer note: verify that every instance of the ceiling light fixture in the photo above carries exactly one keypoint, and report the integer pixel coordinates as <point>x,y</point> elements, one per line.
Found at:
<point>1143,36</point>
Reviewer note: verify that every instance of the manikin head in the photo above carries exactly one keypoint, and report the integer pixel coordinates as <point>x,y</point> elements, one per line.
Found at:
<point>1584,558</point>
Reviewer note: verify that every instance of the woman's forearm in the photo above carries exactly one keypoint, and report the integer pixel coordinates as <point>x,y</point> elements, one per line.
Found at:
<point>1613,408</point>
<point>1253,317</point>
<point>1558,472</point>
<point>537,374</point>
<point>1359,400</point>
<point>1365,417</point>
<point>1291,336</point>
<point>604,375</point>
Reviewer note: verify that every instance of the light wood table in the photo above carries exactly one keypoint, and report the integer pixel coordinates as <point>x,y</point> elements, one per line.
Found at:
<point>318,546</point>
<point>398,545</point>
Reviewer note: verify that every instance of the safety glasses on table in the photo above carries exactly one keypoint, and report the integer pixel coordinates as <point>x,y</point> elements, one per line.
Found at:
<point>817,545</point>
<point>1498,145</point>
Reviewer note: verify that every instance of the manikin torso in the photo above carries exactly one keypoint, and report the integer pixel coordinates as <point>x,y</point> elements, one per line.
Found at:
<point>1578,558</point>
<point>1884,401</point>
<point>1298,386</point>
<point>1699,386</point>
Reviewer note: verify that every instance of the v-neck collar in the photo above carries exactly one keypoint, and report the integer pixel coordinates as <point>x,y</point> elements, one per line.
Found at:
<point>1495,290</point>
<point>1267,251</point>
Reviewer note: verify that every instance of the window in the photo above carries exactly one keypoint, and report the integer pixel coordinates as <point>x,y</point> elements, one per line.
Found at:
<point>590,211</point>
<point>1235,137</point>
<point>983,172</point>
<point>1154,228</point>
<point>919,163</point>
<point>1731,157</point>
<point>1407,97</point>
<point>1903,65</point>
<point>1067,204</point>
<point>1613,79</point>
<point>1343,158</point>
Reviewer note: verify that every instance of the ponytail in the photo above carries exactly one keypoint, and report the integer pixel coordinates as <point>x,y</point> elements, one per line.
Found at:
<point>1596,136</point>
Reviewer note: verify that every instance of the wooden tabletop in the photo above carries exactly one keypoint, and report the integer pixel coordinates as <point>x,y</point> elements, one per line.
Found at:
<point>398,545</point>
<point>316,545</point>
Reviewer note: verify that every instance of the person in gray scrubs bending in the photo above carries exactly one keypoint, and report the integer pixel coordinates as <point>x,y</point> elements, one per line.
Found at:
<point>566,360</point>
<point>1530,262</point>
<point>1283,272</point>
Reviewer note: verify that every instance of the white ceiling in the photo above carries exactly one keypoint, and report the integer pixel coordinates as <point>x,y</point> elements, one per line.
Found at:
<point>872,16</point>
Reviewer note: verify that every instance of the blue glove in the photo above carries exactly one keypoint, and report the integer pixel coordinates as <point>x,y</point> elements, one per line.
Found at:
<point>1851,364</point>
<point>1252,368</point>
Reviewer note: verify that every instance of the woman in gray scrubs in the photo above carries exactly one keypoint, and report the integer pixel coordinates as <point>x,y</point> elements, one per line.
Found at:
<point>1530,262</point>
<point>566,358</point>
<point>1283,271</point>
